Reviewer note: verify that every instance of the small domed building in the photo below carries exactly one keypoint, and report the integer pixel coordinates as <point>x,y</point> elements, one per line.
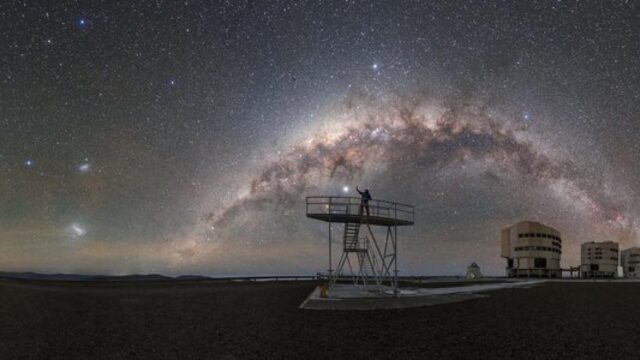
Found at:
<point>473,271</point>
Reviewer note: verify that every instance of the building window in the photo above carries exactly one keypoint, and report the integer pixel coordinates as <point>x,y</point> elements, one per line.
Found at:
<point>510,263</point>
<point>594,267</point>
<point>540,262</point>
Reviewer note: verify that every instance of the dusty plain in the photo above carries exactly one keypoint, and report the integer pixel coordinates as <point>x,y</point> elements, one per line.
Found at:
<point>209,320</point>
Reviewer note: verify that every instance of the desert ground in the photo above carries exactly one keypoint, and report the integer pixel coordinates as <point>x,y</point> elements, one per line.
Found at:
<point>208,320</point>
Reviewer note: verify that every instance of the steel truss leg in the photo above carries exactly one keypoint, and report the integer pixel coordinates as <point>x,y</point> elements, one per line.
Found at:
<point>387,257</point>
<point>338,272</point>
<point>382,261</point>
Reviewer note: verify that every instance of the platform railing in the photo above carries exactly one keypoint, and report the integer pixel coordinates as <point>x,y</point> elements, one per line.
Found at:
<point>345,205</point>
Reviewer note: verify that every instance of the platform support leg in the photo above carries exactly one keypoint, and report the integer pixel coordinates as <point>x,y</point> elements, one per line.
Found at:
<point>395,260</point>
<point>330,270</point>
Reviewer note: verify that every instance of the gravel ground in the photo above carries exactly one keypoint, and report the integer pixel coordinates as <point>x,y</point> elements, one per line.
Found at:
<point>196,320</point>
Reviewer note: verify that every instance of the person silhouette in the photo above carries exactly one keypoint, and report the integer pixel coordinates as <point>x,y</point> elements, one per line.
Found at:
<point>364,203</point>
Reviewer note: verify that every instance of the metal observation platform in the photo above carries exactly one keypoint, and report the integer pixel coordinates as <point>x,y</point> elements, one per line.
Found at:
<point>364,258</point>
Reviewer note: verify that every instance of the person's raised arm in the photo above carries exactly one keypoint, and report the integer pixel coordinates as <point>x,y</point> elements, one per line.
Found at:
<point>358,190</point>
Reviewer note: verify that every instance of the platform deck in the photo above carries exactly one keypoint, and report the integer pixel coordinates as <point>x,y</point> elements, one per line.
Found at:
<point>371,220</point>
<point>342,209</point>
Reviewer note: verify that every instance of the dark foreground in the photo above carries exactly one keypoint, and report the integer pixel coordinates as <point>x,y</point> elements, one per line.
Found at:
<point>195,320</point>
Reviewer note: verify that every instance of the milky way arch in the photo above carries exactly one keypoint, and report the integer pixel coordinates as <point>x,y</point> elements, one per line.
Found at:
<point>426,135</point>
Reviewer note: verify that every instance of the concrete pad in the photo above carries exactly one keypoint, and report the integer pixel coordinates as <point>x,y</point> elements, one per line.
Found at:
<point>349,297</point>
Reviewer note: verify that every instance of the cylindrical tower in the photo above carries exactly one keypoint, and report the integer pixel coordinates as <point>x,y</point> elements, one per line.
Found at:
<point>532,250</point>
<point>630,261</point>
<point>599,259</point>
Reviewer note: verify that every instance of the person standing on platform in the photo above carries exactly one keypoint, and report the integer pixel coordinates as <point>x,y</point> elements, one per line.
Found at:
<point>364,203</point>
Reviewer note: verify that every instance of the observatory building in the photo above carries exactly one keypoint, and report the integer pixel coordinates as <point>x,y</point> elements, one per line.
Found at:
<point>630,261</point>
<point>532,249</point>
<point>599,259</point>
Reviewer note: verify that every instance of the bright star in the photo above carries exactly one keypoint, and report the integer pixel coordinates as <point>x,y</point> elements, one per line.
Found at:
<point>84,168</point>
<point>82,23</point>
<point>375,66</point>
<point>345,189</point>
<point>29,163</point>
<point>76,230</point>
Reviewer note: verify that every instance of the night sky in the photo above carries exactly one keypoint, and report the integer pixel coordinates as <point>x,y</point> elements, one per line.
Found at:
<point>182,137</point>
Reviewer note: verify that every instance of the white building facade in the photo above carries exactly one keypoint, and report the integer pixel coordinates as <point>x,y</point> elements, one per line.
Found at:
<point>532,250</point>
<point>599,259</point>
<point>630,261</point>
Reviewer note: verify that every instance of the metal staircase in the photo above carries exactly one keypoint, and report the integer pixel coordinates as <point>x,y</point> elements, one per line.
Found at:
<point>367,264</point>
<point>358,256</point>
<point>351,237</point>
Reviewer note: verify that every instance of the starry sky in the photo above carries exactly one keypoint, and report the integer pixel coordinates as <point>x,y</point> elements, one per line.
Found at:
<point>181,137</point>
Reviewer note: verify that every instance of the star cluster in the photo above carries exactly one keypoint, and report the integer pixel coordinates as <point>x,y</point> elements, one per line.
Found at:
<point>182,137</point>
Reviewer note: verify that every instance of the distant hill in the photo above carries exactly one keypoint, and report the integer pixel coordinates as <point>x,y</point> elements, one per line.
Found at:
<point>36,276</point>
<point>79,277</point>
<point>192,277</point>
<point>133,277</point>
